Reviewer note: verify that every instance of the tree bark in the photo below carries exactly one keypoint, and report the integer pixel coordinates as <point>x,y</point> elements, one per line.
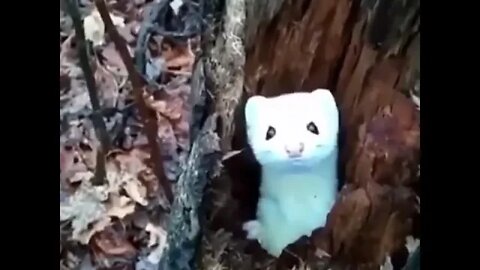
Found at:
<point>367,53</point>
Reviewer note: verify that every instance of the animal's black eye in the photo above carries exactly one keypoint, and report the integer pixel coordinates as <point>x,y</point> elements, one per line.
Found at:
<point>312,128</point>
<point>270,133</point>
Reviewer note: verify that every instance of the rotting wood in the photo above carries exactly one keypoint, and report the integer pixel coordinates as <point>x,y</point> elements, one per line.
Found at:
<point>300,48</point>
<point>367,53</point>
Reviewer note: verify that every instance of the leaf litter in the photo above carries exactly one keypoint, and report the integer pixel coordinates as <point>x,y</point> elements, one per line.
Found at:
<point>119,223</point>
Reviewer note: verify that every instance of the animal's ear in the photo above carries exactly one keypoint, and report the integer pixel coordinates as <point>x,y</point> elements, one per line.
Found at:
<point>325,99</point>
<point>327,104</point>
<point>253,108</point>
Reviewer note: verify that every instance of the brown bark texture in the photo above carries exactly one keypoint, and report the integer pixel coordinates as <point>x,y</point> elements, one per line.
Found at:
<point>367,53</point>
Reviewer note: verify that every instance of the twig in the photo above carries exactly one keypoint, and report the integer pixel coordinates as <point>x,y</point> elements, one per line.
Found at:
<point>156,23</point>
<point>97,119</point>
<point>146,29</point>
<point>137,84</point>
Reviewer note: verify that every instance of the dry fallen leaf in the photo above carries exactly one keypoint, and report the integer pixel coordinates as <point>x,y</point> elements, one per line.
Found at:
<point>84,208</point>
<point>95,28</point>
<point>178,58</point>
<point>113,243</point>
<point>68,53</point>
<point>111,248</point>
<point>99,226</point>
<point>150,181</point>
<point>136,191</point>
<point>157,235</point>
<point>107,87</point>
<point>81,176</point>
<point>133,161</point>
<point>71,166</point>
<point>78,149</point>
<point>127,32</point>
<point>113,62</point>
<point>123,173</point>
<point>120,206</point>
<point>173,121</point>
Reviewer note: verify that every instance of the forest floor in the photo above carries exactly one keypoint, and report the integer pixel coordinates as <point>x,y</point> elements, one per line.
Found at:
<point>117,222</point>
<point>118,219</point>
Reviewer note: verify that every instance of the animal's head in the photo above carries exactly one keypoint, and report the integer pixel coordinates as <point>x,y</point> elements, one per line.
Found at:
<point>298,127</point>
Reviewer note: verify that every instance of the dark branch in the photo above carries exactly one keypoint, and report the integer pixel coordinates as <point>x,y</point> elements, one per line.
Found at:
<point>97,119</point>
<point>145,32</point>
<point>147,115</point>
<point>161,20</point>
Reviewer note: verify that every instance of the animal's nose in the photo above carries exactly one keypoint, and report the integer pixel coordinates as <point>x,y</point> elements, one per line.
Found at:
<point>295,150</point>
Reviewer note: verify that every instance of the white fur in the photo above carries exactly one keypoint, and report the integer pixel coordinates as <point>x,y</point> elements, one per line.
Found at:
<point>296,195</point>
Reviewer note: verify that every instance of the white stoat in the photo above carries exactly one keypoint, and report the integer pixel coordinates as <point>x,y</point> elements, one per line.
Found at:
<point>294,138</point>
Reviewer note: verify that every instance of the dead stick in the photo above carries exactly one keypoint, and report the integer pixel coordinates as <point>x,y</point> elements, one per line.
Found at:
<point>97,119</point>
<point>147,115</point>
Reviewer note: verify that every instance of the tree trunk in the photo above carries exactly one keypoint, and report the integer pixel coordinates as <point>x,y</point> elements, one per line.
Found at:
<point>367,54</point>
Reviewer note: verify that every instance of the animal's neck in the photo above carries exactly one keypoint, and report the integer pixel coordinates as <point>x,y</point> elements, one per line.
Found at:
<point>280,179</point>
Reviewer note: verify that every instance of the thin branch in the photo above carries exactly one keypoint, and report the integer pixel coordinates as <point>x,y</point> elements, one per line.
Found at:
<point>158,20</point>
<point>145,32</point>
<point>97,119</point>
<point>146,114</point>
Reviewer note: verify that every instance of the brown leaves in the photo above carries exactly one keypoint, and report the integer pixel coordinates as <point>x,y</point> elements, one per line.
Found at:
<point>85,208</point>
<point>136,191</point>
<point>173,120</point>
<point>178,58</point>
<point>170,58</point>
<point>120,206</point>
<point>111,243</point>
<point>172,104</point>
<point>111,248</point>
<point>99,216</point>
<point>78,152</point>
<point>123,173</point>
<point>107,87</point>
<point>91,207</point>
<point>95,28</point>
<point>149,180</point>
<point>113,62</point>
